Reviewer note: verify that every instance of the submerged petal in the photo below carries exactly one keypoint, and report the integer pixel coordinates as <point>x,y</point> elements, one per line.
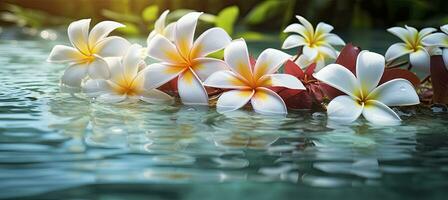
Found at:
<point>233,100</point>
<point>74,74</point>
<point>378,113</point>
<point>344,109</point>
<point>96,87</point>
<point>369,70</point>
<point>267,102</point>
<point>111,98</point>
<point>156,96</point>
<point>191,90</point>
<point>396,92</point>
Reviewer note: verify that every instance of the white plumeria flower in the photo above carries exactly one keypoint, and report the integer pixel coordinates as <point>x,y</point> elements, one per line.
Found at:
<point>89,49</point>
<point>186,60</point>
<point>317,44</point>
<point>419,56</point>
<point>363,95</point>
<point>126,81</point>
<point>439,40</point>
<point>161,28</point>
<point>250,83</point>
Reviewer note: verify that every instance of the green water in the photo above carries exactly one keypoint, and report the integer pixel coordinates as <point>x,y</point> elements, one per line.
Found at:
<point>57,146</point>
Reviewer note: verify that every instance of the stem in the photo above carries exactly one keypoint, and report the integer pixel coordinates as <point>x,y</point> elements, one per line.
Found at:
<point>397,65</point>
<point>425,80</point>
<point>299,52</point>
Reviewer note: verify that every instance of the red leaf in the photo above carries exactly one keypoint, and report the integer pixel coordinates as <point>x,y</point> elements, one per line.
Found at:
<point>302,100</point>
<point>390,74</point>
<point>348,56</point>
<point>293,69</point>
<point>310,70</point>
<point>439,80</point>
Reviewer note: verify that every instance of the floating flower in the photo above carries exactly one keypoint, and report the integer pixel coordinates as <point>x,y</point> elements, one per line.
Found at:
<point>439,40</point>
<point>317,44</point>
<point>362,94</point>
<point>161,28</point>
<point>126,81</point>
<point>186,60</point>
<point>419,56</point>
<point>89,49</point>
<point>247,83</point>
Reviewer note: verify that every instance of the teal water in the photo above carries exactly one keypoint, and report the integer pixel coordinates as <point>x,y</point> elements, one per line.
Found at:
<point>57,146</point>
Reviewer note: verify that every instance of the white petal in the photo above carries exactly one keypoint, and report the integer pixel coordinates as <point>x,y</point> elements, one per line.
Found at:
<point>210,41</point>
<point>369,70</point>
<point>267,102</point>
<point>269,61</point>
<point>420,61</point>
<point>378,113</point>
<point>204,67</point>
<point>340,78</point>
<point>295,28</point>
<point>159,25</point>
<point>96,87</point>
<point>323,28</point>
<point>61,53</point>
<point>225,79</point>
<point>78,33</point>
<point>131,60</point>
<point>170,31</point>
<point>111,98</point>
<point>233,100</point>
<point>333,39</point>
<point>445,57</point>
<point>161,49</point>
<point>396,92</point>
<point>426,31</point>
<point>98,69</point>
<point>344,109</point>
<point>282,80</point>
<point>444,28</point>
<point>116,69</point>
<point>303,61</point>
<point>400,32</point>
<point>293,41</point>
<point>436,39</point>
<point>185,28</point>
<point>158,74</point>
<point>310,53</point>
<point>328,51</point>
<point>306,24</point>
<point>155,96</point>
<point>112,46</point>
<point>102,30</point>
<point>237,57</point>
<point>191,90</point>
<point>396,50</point>
<point>74,74</point>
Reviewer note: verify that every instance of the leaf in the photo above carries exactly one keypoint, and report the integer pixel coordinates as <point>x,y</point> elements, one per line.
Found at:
<point>120,16</point>
<point>293,69</point>
<point>264,11</point>
<point>390,74</point>
<point>226,18</point>
<point>150,13</point>
<point>129,29</point>
<point>253,36</point>
<point>217,54</point>
<point>439,80</point>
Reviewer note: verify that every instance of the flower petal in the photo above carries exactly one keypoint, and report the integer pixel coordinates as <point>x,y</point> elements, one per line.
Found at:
<point>191,90</point>
<point>210,41</point>
<point>322,29</point>
<point>400,32</point>
<point>444,28</point>
<point>74,74</point>
<point>96,87</point>
<point>269,61</point>
<point>159,25</point>
<point>225,79</point>
<point>396,92</point>
<point>344,109</point>
<point>111,98</point>
<point>185,28</point>
<point>282,80</point>
<point>78,34</point>
<point>156,96</point>
<point>327,51</point>
<point>426,31</point>
<point>396,50</point>
<point>445,57</point>
<point>237,57</point>
<point>233,100</point>
<point>131,60</point>
<point>161,49</point>
<point>102,30</point>
<point>112,46</point>
<point>310,53</point>
<point>170,31</point>
<point>333,39</point>
<point>293,41</point>
<point>61,53</point>
<point>309,28</point>
<point>158,74</point>
<point>267,102</point>
<point>420,61</point>
<point>295,28</point>
<point>204,67</point>
<point>436,39</point>
<point>340,78</point>
<point>98,69</point>
<point>369,70</point>
<point>378,113</point>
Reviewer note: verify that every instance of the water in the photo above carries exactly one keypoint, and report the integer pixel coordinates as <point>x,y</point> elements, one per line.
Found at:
<point>54,145</point>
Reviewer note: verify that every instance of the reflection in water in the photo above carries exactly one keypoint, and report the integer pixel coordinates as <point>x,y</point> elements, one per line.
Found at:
<point>53,141</point>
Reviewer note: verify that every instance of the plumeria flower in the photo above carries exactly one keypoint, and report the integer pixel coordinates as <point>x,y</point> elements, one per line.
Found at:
<point>362,94</point>
<point>317,44</point>
<point>126,81</point>
<point>439,40</point>
<point>419,56</point>
<point>161,28</point>
<point>251,83</point>
<point>186,59</point>
<point>89,49</point>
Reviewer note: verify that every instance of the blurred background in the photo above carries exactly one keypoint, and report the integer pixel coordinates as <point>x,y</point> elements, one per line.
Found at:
<point>251,19</point>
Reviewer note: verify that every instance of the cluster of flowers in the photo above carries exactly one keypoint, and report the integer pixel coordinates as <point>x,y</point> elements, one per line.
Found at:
<point>111,69</point>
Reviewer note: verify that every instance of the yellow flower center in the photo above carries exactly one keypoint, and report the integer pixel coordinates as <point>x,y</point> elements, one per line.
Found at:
<point>127,86</point>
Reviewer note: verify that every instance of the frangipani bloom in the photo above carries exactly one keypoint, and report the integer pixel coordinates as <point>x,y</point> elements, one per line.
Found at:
<point>419,56</point>
<point>362,94</point>
<point>89,49</point>
<point>251,83</point>
<point>126,81</point>
<point>186,60</point>
<point>161,28</point>
<point>439,40</point>
<point>317,44</point>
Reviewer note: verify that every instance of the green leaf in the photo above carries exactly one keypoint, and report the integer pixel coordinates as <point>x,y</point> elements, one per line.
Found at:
<point>129,29</point>
<point>218,54</point>
<point>150,13</point>
<point>226,18</point>
<point>120,16</point>
<point>253,36</point>
<point>264,11</point>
